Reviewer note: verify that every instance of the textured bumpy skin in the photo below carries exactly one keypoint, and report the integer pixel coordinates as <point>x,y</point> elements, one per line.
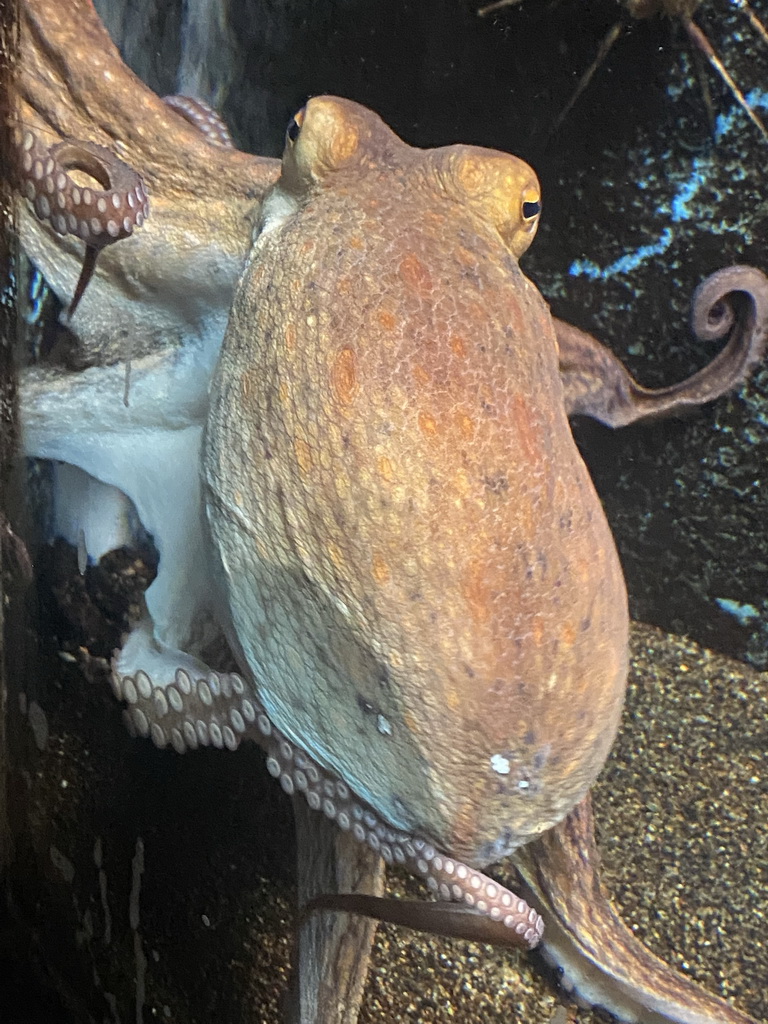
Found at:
<point>419,571</point>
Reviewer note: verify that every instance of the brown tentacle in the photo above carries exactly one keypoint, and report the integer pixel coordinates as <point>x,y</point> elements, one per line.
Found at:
<point>203,117</point>
<point>221,710</point>
<point>597,384</point>
<point>98,215</point>
<point>86,273</point>
<point>603,962</point>
<point>447,919</point>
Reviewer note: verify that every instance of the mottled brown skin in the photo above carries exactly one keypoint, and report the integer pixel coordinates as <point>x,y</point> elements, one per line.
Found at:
<point>393,479</point>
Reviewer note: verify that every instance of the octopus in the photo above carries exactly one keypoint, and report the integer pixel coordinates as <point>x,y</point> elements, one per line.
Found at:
<point>341,411</point>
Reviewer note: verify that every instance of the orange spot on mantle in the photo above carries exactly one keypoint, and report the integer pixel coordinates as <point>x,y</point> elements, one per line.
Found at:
<point>527,432</point>
<point>380,569</point>
<point>474,590</point>
<point>568,635</point>
<point>344,381</point>
<point>453,699</point>
<point>386,319</point>
<point>466,425</point>
<point>459,345</point>
<point>538,629</point>
<point>415,275</point>
<point>427,424</point>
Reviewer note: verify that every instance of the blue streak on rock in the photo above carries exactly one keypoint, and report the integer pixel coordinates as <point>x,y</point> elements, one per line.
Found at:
<point>678,207</point>
<point>743,613</point>
<point>725,122</point>
<point>623,265</point>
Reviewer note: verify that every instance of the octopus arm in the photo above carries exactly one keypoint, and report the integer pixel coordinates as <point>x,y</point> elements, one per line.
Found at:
<point>603,963</point>
<point>178,701</point>
<point>449,920</point>
<point>173,280</point>
<point>134,441</point>
<point>732,301</point>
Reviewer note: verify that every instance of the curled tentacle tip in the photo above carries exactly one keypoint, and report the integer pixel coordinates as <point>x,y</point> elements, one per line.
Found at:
<point>712,313</point>
<point>98,215</point>
<point>108,208</point>
<point>733,300</point>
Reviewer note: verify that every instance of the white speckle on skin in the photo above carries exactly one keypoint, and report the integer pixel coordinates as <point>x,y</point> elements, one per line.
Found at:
<point>383,725</point>
<point>500,764</point>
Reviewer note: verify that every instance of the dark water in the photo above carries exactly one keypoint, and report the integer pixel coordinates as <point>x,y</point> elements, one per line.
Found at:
<point>25,998</point>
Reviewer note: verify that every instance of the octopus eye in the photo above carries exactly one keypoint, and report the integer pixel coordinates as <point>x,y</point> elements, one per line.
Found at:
<point>531,210</point>
<point>293,129</point>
